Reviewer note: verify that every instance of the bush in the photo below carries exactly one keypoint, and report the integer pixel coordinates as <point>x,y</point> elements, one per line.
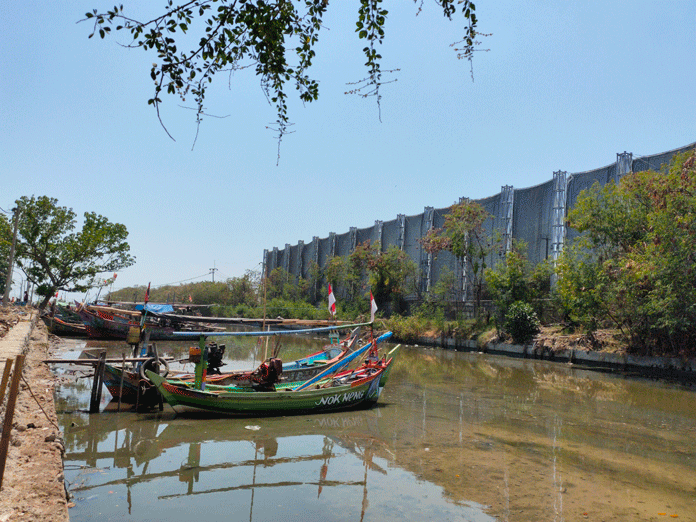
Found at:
<point>407,329</point>
<point>521,322</point>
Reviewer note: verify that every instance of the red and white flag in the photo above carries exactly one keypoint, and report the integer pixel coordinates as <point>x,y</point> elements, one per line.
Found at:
<point>332,301</point>
<point>373,308</point>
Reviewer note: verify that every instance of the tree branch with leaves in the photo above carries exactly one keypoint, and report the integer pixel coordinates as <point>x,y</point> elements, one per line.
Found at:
<point>464,236</point>
<point>278,38</point>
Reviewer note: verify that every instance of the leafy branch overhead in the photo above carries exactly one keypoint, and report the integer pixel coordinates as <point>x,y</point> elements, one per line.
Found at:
<point>277,38</point>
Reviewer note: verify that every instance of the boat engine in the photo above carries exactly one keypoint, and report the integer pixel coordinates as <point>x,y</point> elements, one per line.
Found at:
<point>267,375</point>
<point>215,353</point>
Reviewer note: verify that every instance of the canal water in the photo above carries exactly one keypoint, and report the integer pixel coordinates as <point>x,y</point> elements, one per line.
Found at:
<point>455,437</point>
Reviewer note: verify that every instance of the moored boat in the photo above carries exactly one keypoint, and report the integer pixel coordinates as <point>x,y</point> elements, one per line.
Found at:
<point>350,389</point>
<point>58,326</point>
<point>125,383</point>
<point>106,322</point>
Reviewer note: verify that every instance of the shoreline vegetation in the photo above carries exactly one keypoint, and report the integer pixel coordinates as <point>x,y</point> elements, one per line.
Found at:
<point>622,285</point>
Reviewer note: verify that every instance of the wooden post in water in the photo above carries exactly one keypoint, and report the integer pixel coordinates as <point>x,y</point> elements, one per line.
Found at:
<point>120,386</point>
<point>95,398</point>
<point>5,378</point>
<point>160,399</point>
<point>9,413</point>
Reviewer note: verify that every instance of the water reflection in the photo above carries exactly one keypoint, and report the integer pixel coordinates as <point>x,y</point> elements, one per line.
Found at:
<point>452,433</point>
<point>307,468</point>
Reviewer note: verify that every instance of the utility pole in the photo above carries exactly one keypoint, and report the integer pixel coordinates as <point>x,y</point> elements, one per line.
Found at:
<point>212,271</point>
<point>8,281</point>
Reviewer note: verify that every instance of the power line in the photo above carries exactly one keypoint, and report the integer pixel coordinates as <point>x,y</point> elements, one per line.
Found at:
<point>182,281</point>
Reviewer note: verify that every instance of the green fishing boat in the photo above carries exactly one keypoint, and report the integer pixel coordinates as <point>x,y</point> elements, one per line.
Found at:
<point>331,391</point>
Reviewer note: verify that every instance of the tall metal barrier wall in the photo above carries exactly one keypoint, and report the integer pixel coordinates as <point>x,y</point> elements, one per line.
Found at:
<point>535,215</point>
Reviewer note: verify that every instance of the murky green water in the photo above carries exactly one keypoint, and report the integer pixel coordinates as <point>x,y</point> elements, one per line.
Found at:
<point>455,436</point>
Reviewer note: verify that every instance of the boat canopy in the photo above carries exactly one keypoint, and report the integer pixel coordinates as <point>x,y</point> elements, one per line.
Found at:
<point>156,308</point>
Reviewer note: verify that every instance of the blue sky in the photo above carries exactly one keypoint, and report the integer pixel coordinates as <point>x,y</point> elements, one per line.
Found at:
<point>565,85</point>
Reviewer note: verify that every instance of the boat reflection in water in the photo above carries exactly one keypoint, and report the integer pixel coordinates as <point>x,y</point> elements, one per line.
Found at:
<point>303,468</point>
<point>527,439</point>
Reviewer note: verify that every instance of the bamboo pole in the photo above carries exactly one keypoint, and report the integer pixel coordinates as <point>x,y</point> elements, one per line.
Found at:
<point>9,413</point>
<point>95,361</point>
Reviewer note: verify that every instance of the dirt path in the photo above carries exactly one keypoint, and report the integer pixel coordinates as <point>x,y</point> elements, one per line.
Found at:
<point>33,484</point>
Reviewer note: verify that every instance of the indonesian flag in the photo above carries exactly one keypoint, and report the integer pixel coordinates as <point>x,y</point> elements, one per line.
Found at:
<point>332,301</point>
<point>373,308</point>
<point>147,294</point>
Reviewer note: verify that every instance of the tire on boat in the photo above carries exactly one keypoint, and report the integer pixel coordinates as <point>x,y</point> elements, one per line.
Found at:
<point>149,365</point>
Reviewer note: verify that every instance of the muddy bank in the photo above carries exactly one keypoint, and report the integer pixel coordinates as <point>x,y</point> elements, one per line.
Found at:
<point>554,349</point>
<point>33,486</point>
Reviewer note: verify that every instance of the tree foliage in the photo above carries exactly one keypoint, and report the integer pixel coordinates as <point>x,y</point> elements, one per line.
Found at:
<point>521,322</point>
<point>277,38</point>
<point>637,257</point>
<point>463,234</point>
<point>5,241</point>
<point>516,280</point>
<point>391,274</point>
<point>54,256</point>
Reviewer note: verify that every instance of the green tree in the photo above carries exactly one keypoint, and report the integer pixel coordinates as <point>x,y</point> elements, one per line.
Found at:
<point>242,290</point>
<point>641,235</point>
<point>5,239</point>
<point>391,275</point>
<point>464,235</point>
<point>55,257</point>
<point>316,276</point>
<point>281,285</point>
<point>579,287</point>
<point>335,273</point>
<point>516,280</point>
<point>277,38</point>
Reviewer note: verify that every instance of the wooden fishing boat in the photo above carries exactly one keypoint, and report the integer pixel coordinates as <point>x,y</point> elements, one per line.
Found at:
<point>106,322</point>
<point>125,383</point>
<point>350,389</point>
<point>295,371</point>
<point>58,326</point>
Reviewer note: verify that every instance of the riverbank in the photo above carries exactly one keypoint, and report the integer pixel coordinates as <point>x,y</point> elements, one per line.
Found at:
<point>33,486</point>
<point>595,354</point>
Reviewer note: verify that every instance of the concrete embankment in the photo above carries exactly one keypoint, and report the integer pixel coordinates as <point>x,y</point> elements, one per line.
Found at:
<point>661,367</point>
<point>33,485</point>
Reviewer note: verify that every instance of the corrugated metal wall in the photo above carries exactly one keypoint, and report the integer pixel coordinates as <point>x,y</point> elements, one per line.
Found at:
<point>533,214</point>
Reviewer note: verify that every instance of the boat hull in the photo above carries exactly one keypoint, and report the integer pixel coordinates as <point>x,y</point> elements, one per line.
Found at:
<point>299,370</point>
<point>362,393</point>
<point>57,326</point>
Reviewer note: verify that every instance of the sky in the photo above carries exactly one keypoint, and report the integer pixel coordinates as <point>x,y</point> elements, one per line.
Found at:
<point>556,86</point>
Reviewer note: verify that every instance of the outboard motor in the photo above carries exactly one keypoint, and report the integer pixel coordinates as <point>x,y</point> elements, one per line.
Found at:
<point>267,375</point>
<point>215,353</point>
